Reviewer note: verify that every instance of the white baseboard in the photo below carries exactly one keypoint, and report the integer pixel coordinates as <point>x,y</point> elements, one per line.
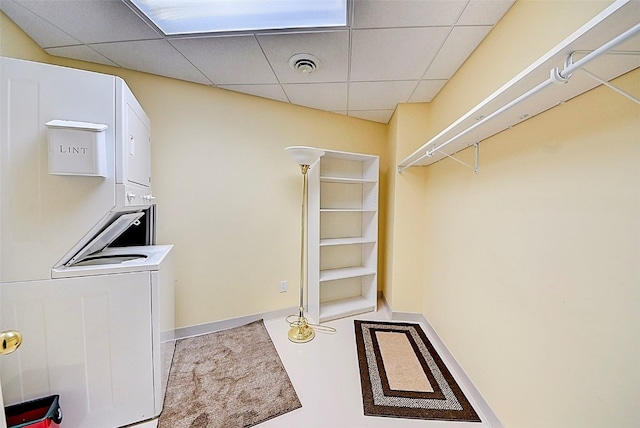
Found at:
<point>473,394</point>
<point>212,327</point>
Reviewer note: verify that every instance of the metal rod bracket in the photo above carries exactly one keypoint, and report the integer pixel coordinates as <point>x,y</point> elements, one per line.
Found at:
<point>611,86</point>
<point>474,167</point>
<point>557,77</point>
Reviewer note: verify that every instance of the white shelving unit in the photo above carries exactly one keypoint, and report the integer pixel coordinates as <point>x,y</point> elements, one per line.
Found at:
<point>602,49</point>
<point>343,235</point>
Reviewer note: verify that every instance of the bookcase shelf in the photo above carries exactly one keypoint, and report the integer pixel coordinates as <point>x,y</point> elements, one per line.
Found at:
<point>346,241</point>
<point>346,307</point>
<point>344,273</point>
<point>344,180</point>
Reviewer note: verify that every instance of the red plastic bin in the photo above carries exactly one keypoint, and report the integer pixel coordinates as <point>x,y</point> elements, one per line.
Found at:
<point>40,413</point>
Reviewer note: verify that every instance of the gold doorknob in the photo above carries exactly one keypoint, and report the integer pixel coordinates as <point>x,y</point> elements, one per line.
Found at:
<point>10,340</point>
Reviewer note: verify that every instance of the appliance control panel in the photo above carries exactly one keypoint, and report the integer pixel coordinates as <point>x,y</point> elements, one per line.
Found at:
<point>133,196</point>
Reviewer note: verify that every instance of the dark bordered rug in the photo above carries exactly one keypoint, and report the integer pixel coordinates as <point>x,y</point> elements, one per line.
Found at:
<point>229,379</point>
<point>402,375</point>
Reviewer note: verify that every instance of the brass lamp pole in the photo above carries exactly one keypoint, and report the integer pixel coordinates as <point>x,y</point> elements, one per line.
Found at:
<point>301,331</point>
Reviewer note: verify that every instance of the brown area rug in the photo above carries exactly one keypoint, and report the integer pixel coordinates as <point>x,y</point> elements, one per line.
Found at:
<point>228,379</point>
<point>402,375</point>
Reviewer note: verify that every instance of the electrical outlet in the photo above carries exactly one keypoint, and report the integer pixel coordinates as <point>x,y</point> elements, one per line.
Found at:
<point>283,286</point>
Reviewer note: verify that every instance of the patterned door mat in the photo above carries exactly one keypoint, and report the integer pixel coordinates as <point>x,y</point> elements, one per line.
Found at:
<point>402,375</point>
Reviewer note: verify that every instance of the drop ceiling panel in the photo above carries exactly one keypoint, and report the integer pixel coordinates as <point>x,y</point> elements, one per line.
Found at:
<point>322,96</point>
<point>227,60</point>
<point>406,13</point>
<point>85,20</point>
<point>44,33</point>
<point>151,56</point>
<point>426,91</point>
<point>273,92</point>
<point>456,49</point>
<point>381,59</point>
<point>379,95</point>
<point>382,116</point>
<point>81,52</point>
<point>394,54</point>
<point>332,48</point>
<point>484,12</point>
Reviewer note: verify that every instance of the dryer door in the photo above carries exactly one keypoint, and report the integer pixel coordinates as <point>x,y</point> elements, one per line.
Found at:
<point>138,149</point>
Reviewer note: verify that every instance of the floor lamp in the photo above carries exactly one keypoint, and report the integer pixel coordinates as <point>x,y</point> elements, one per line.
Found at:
<point>301,331</point>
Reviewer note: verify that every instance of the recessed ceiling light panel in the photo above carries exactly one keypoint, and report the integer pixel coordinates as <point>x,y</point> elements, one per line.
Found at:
<point>175,17</point>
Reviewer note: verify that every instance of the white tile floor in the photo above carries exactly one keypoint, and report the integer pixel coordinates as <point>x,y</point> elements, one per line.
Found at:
<point>326,377</point>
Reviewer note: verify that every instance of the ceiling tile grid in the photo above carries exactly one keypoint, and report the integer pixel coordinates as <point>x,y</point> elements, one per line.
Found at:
<point>381,95</point>
<point>426,90</point>
<point>151,56</point>
<point>274,92</point>
<point>81,52</point>
<point>460,43</point>
<point>393,51</point>
<point>321,96</point>
<point>406,13</point>
<point>236,60</point>
<point>331,48</point>
<point>41,31</point>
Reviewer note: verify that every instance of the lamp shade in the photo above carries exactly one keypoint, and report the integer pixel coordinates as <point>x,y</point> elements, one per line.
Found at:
<point>304,155</point>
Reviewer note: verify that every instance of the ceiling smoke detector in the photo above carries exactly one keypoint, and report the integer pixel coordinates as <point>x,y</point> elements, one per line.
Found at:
<point>304,63</point>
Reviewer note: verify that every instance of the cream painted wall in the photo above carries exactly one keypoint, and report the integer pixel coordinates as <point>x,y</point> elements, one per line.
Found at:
<point>406,211</point>
<point>228,195</point>
<point>531,271</point>
<point>532,266</point>
<point>389,209</point>
<point>528,271</point>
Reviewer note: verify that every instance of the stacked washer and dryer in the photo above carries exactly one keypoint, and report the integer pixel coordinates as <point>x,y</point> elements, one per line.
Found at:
<point>80,275</point>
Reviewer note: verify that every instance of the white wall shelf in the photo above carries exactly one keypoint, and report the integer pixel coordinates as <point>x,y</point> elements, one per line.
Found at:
<point>605,47</point>
<point>343,235</point>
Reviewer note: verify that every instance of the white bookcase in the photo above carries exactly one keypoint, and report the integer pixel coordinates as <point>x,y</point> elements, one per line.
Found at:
<point>343,235</point>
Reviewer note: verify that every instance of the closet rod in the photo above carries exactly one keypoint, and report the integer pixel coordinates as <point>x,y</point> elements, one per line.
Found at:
<point>556,76</point>
<point>566,73</point>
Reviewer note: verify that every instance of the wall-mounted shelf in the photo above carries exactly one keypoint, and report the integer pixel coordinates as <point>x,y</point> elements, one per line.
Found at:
<point>606,47</point>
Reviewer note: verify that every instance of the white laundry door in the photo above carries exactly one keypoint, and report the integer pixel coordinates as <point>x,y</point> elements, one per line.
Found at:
<point>86,339</point>
<point>3,422</point>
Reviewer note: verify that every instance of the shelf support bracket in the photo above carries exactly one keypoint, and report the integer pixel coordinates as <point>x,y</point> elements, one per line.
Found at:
<point>477,150</point>
<point>611,86</point>
<point>474,167</point>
